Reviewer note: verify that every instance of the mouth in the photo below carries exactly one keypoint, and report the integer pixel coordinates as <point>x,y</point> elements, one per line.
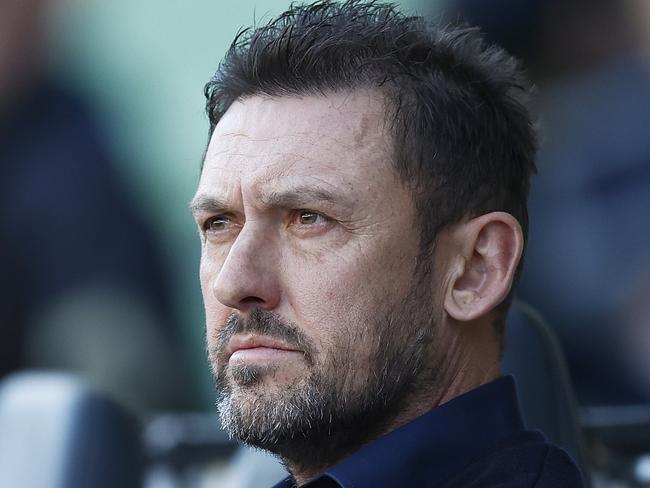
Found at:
<point>255,348</point>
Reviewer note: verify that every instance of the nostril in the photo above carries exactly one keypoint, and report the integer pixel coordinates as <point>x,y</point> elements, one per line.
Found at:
<point>251,300</point>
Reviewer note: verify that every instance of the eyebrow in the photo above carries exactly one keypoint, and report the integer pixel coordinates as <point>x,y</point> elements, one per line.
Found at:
<point>203,203</point>
<point>303,196</point>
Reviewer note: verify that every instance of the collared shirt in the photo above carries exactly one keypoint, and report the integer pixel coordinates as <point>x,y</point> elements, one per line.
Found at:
<point>475,440</point>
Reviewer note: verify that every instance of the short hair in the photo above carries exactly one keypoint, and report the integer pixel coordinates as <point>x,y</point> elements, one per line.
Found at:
<point>463,138</point>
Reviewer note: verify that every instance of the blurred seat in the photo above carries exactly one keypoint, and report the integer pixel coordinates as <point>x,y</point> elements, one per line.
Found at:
<point>534,357</point>
<point>56,433</point>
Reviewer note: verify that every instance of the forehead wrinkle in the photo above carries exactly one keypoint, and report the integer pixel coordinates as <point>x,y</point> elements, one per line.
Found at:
<point>270,138</point>
<point>355,139</point>
<point>354,129</point>
<point>275,154</point>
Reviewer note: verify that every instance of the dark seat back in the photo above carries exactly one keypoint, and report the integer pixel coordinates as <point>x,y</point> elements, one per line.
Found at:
<point>534,357</point>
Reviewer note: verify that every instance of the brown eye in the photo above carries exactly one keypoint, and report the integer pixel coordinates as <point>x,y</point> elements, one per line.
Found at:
<point>307,218</point>
<point>216,224</point>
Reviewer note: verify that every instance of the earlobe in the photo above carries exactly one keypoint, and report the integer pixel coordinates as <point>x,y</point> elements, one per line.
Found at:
<point>489,249</point>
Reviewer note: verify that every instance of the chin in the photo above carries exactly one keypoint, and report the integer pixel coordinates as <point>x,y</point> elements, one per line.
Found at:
<point>269,378</point>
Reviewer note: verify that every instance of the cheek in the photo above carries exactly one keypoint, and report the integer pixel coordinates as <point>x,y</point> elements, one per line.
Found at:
<point>341,295</point>
<point>364,271</point>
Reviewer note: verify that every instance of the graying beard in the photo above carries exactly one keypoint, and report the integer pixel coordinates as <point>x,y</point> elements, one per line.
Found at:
<point>297,422</point>
<point>246,375</point>
<point>265,421</point>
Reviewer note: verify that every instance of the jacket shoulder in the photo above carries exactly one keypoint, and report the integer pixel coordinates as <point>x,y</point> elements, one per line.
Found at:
<point>524,463</point>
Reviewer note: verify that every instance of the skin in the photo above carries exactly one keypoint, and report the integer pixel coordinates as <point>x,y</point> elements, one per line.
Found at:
<point>301,214</point>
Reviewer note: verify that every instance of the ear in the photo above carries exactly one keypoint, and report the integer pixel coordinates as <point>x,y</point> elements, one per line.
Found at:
<point>489,248</point>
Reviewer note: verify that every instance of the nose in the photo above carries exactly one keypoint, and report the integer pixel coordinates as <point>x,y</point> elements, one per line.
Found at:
<point>249,276</point>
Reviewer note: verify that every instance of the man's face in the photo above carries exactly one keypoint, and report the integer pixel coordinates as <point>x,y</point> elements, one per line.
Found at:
<point>319,313</point>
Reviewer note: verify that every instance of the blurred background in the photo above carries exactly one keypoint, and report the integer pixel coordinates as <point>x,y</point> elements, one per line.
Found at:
<point>102,131</point>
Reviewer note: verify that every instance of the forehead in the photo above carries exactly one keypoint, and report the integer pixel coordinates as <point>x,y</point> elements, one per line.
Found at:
<point>337,139</point>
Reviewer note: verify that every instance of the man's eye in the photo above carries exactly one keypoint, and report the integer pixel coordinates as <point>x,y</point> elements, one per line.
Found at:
<point>307,217</point>
<point>216,224</point>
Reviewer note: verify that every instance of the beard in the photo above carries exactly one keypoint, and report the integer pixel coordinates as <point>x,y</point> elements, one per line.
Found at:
<point>339,404</point>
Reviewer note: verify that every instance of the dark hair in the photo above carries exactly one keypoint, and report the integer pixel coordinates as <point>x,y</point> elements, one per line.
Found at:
<point>464,140</point>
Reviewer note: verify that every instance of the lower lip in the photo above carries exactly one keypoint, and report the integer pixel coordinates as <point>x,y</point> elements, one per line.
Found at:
<point>261,354</point>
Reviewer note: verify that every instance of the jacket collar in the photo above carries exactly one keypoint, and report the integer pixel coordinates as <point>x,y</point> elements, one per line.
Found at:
<point>437,444</point>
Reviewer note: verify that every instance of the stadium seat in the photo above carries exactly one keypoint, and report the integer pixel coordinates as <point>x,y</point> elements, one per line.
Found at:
<point>534,357</point>
<point>57,433</point>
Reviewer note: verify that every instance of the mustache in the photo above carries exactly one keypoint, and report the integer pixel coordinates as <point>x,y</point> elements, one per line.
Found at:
<point>264,323</point>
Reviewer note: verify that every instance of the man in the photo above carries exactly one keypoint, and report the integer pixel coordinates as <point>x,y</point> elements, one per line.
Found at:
<point>362,210</point>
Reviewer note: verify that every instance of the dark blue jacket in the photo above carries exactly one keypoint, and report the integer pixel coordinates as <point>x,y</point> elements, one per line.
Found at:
<point>475,440</point>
